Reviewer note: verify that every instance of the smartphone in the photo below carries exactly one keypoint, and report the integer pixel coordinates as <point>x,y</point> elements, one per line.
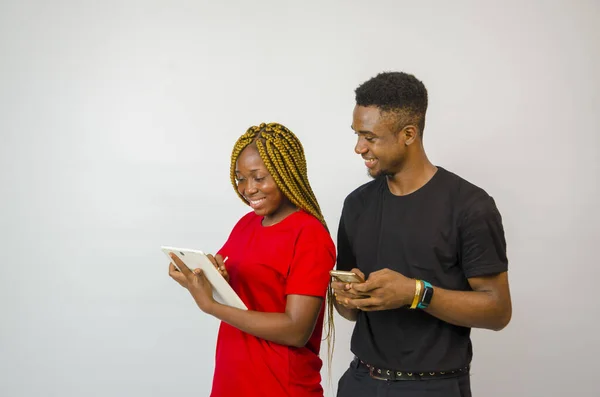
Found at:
<point>346,277</point>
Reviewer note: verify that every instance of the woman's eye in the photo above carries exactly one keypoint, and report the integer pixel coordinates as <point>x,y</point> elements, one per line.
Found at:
<point>259,179</point>
<point>369,139</point>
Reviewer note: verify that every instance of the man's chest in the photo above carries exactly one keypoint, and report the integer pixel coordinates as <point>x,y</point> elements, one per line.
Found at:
<point>415,240</point>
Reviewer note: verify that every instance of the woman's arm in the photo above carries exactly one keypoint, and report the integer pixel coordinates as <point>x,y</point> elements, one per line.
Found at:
<point>291,328</point>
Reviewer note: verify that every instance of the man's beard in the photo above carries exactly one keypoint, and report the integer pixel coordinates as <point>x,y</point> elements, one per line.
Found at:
<point>380,173</point>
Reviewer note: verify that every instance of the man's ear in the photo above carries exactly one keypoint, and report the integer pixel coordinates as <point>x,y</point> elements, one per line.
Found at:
<point>410,134</point>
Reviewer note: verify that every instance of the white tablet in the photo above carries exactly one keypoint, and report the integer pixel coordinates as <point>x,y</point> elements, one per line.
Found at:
<point>194,259</point>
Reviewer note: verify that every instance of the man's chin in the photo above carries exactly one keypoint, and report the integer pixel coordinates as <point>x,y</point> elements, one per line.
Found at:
<point>373,173</point>
<point>379,173</point>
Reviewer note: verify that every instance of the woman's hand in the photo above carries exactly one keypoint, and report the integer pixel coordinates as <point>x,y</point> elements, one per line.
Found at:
<point>219,263</point>
<point>195,282</point>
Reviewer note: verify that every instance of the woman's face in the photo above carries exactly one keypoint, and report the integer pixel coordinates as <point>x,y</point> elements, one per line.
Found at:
<point>258,187</point>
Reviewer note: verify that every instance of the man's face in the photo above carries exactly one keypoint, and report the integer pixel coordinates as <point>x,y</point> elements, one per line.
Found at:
<point>378,143</point>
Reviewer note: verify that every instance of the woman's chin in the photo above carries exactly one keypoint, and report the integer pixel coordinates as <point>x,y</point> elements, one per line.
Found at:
<point>261,211</point>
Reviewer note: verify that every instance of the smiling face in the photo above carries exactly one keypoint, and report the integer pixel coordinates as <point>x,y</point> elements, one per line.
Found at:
<point>257,186</point>
<point>379,143</point>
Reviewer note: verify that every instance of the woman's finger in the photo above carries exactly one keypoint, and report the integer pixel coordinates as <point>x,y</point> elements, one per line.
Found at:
<point>180,265</point>
<point>213,260</point>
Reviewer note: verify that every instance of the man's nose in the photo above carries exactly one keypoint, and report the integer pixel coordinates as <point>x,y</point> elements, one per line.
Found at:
<point>360,147</point>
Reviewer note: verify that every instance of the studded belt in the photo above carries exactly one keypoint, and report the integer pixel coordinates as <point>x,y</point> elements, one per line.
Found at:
<point>389,374</point>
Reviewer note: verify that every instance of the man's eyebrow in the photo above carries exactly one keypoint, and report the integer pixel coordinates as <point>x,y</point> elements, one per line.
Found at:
<point>364,132</point>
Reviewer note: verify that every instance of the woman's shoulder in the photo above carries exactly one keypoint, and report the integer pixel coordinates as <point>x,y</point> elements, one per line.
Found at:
<point>247,220</point>
<point>309,224</point>
<point>304,219</point>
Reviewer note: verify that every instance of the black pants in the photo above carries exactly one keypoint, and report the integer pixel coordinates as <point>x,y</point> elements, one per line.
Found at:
<point>357,382</point>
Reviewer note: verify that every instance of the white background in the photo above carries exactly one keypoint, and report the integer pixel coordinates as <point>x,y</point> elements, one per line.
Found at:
<point>117,119</point>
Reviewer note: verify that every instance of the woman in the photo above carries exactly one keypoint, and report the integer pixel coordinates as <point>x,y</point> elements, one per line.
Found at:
<point>278,262</point>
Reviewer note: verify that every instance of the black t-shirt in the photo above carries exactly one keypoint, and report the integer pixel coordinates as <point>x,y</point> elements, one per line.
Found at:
<point>445,232</point>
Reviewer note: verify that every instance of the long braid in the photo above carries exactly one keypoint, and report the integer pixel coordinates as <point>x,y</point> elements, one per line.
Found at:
<point>283,155</point>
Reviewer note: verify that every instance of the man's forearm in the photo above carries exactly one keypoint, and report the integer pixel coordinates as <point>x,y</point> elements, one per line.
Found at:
<point>475,309</point>
<point>348,314</point>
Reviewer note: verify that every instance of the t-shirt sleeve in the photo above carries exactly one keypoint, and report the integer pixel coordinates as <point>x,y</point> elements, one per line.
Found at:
<point>345,255</point>
<point>483,244</point>
<point>314,257</point>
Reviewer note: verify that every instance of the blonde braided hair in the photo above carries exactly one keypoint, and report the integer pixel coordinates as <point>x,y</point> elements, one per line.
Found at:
<point>283,155</point>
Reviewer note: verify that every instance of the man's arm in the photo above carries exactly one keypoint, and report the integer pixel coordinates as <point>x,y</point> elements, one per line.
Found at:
<point>487,306</point>
<point>484,261</point>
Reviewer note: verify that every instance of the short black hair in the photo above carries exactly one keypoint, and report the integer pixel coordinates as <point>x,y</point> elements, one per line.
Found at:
<point>398,93</point>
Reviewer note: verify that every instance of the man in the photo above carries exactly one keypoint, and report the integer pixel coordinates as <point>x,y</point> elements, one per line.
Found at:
<point>431,248</point>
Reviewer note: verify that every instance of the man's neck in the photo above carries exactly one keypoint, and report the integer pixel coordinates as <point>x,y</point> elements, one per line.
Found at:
<point>411,177</point>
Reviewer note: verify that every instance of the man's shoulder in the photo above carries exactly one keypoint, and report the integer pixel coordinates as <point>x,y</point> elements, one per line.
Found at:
<point>364,192</point>
<point>467,194</point>
<point>459,183</point>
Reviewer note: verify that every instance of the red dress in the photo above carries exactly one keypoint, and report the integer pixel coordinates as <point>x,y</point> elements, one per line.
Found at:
<point>265,264</point>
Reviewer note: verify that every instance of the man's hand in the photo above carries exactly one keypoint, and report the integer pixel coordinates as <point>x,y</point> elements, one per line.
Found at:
<point>386,289</point>
<point>344,293</point>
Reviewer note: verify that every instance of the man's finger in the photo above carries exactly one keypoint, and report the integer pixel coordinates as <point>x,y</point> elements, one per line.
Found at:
<point>350,294</point>
<point>358,273</point>
<point>361,302</point>
<point>182,267</point>
<point>364,287</point>
<point>336,285</point>
<point>371,308</point>
<point>342,296</point>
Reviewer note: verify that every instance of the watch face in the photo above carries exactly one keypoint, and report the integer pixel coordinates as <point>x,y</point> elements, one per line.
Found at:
<point>427,295</point>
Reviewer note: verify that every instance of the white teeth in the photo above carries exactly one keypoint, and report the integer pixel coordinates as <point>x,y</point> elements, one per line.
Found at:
<point>255,201</point>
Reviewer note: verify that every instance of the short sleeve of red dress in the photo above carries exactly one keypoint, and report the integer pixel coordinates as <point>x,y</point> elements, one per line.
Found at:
<point>313,258</point>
